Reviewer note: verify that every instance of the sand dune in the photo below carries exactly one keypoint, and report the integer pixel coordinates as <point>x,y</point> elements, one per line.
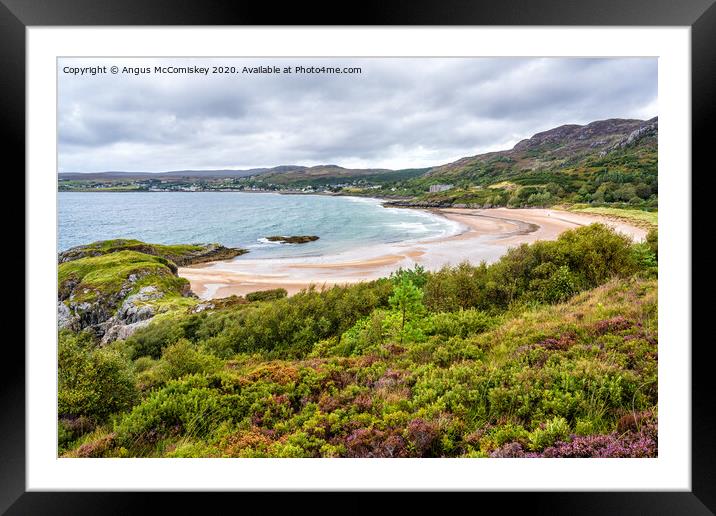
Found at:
<point>486,235</point>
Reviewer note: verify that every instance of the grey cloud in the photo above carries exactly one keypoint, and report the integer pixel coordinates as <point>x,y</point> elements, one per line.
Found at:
<point>397,113</point>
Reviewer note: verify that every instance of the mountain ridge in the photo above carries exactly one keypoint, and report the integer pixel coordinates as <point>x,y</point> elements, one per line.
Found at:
<point>604,135</point>
<point>562,142</point>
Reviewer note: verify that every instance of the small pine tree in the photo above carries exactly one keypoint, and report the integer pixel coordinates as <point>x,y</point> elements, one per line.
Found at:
<point>417,275</point>
<point>407,299</point>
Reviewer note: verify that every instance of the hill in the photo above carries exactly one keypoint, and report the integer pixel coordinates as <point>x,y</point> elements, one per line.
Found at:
<point>549,352</point>
<point>608,161</point>
<point>555,148</point>
<point>175,174</point>
<point>612,162</point>
<point>283,174</point>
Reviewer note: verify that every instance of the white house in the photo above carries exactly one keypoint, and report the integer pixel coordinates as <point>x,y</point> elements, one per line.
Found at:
<point>439,188</point>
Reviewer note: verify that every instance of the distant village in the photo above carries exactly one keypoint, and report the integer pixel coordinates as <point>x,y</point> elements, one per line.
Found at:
<point>249,184</point>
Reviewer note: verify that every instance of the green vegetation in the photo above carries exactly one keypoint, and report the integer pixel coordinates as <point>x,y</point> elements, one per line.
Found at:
<point>601,164</point>
<point>98,186</point>
<point>624,178</point>
<point>87,279</point>
<point>114,286</point>
<point>267,295</point>
<point>181,255</point>
<point>643,218</point>
<point>115,293</point>
<point>551,351</point>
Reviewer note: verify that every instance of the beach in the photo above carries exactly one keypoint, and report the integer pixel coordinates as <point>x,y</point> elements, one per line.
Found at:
<point>485,235</point>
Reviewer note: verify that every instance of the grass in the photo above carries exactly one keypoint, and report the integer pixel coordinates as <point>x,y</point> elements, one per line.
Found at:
<point>107,274</point>
<point>180,254</point>
<point>123,244</point>
<point>641,218</point>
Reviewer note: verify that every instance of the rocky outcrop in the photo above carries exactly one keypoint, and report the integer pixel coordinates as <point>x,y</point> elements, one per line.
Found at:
<point>65,318</point>
<point>224,302</point>
<point>134,309</point>
<point>436,204</point>
<point>208,253</point>
<point>418,204</point>
<point>300,239</point>
<point>75,313</point>
<point>181,255</point>
<point>101,314</point>
<point>122,331</point>
<point>134,313</point>
<point>648,128</point>
<point>115,287</point>
<point>574,137</point>
<point>117,294</point>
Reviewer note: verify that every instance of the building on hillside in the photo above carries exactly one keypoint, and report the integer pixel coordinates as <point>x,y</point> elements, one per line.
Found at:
<point>439,188</point>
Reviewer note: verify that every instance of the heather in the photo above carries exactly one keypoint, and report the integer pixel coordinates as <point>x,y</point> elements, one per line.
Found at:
<point>640,443</point>
<point>549,352</point>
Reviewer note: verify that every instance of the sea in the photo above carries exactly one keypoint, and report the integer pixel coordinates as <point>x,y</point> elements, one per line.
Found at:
<point>243,219</point>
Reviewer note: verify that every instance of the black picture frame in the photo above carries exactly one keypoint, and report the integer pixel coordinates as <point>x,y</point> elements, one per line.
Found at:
<point>700,15</point>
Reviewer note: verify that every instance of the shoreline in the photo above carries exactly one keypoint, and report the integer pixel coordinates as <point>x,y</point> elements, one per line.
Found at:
<point>487,235</point>
<point>277,192</point>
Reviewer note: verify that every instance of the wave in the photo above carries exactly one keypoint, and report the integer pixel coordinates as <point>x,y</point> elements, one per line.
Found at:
<point>410,227</point>
<point>362,200</point>
<point>263,243</point>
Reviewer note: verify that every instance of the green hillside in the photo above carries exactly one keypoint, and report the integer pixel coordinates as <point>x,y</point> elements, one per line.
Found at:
<point>611,163</point>
<point>606,162</point>
<point>549,352</point>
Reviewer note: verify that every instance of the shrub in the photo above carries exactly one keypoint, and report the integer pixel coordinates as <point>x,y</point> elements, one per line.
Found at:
<point>452,288</point>
<point>92,382</point>
<point>652,240</point>
<point>421,436</point>
<point>191,406</point>
<point>546,434</point>
<point>291,326</point>
<point>459,324</point>
<point>366,334</point>
<point>376,443</point>
<point>559,285</point>
<point>631,445</point>
<point>153,338</point>
<point>509,432</point>
<point>182,358</point>
<point>267,295</point>
<point>548,271</point>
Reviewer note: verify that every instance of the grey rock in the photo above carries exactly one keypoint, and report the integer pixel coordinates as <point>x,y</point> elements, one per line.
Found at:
<point>121,331</point>
<point>65,319</point>
<point>649,128</point>
<point>133,311</point>
<point>202,306</point>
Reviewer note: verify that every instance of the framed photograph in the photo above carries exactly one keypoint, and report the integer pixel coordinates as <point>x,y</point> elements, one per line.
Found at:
<point>417,253</point>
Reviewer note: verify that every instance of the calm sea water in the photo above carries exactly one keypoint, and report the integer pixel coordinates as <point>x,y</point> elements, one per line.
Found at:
<point>241,220</point>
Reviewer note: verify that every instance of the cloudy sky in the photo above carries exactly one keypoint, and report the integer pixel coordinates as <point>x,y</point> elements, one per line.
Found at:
<point>397,113</point>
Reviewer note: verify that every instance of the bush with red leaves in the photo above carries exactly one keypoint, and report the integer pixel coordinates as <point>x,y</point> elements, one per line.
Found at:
<point>421,435</point>
<point>614,324</point>
<point>374,443</point>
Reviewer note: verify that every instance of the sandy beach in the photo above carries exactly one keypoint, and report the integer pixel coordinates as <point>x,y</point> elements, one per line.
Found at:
<point>485,234</point>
